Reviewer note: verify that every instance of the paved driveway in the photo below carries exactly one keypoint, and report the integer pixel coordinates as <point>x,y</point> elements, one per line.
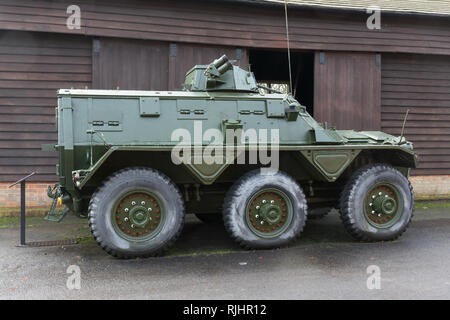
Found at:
<point>205,264</point>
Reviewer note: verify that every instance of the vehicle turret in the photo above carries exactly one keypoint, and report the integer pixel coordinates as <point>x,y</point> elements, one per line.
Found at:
<point>220,75</point>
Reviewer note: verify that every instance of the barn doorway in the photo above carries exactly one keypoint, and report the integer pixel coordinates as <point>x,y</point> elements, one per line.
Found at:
<point>271,69</point>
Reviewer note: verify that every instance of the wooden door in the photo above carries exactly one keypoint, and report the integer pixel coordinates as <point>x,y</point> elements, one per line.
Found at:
<point>347,88</point>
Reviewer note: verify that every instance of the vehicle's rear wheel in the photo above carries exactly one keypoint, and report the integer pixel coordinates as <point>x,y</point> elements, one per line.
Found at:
<point>209,218</point>
<point>265,211</point>
<point>377,203</point>
<point>319,213</point>
<point>136,212</point>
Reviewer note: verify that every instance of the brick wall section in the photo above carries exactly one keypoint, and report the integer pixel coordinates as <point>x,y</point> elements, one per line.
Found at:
<point>36,199</point>
<point>425,187</point>
<point>431,187</point>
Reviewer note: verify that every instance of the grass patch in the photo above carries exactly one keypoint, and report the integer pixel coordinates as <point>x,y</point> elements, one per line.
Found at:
<point>179,253</point>
<point>30,212</point>
<point>12,222</point>
<point>432,204</point>
<point>86,239</point>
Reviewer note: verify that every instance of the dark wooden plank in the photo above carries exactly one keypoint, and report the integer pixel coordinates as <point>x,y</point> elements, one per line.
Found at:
<point>43,67</point>
<point>28,161</point>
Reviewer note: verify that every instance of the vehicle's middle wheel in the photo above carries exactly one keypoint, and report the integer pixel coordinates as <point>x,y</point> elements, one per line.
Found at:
<point>265,211</point>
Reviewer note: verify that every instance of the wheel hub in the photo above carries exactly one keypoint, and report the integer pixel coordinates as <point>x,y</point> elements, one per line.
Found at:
<point>382,205</point>
<point>138,215</point>
<point>269,213</point>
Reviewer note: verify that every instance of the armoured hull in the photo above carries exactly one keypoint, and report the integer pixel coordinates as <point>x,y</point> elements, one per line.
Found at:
<point>196,150</point>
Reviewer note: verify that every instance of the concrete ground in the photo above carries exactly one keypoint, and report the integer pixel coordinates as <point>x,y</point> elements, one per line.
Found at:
<point>205,264</point>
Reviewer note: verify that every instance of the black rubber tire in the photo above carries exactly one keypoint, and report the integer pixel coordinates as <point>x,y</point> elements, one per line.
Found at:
<point>352,203</point>
<point>241,192</point>
<point>318,213</point>
<point>110,191</point>
<point>209,218</point>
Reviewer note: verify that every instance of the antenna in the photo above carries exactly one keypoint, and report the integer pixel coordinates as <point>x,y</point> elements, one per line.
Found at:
<point>403,127</point>
<point>288,45</point>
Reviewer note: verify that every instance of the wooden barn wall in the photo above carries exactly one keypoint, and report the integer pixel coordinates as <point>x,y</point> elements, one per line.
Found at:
<point>422,84</point>
<point>231,24</point>
<point>32,67</point>
<point>151,65</point>
<point>347,90</point>
<point>130,64</point>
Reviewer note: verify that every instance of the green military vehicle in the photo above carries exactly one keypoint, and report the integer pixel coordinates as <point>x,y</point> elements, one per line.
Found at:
<point>135,162</point>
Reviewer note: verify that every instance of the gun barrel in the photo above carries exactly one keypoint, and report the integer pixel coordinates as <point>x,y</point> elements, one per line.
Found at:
<point>221,61</point>
<point>225,67</point>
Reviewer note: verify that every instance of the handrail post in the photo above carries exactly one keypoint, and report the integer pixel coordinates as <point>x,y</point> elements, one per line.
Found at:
<point>22,213</point>
<point>22,206</point>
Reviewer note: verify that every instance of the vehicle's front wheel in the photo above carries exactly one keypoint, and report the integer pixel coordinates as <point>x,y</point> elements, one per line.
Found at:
<point>265,211</point>
<point>136,212</point>
<point>377,203</point>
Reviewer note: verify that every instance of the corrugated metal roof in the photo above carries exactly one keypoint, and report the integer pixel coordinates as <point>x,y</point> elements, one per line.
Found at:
<point>435,7</point>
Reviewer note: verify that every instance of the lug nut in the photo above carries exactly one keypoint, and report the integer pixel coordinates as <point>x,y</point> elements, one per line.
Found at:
<point>149,209</point>
<point>126,209</point>
<point>262,222</point>
<point>257,207</point>
<point>256,216</point>
<point>133,203</point>
<point>264,201</point>
<point>132,226</point>
<point>272,201</point>
<point>125,219</point>
<point>142,202</point>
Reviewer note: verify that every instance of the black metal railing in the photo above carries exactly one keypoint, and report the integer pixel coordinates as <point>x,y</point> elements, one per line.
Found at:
<point>22,205</point>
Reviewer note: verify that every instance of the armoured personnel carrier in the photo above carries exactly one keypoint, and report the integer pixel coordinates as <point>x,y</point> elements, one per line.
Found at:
<point>135,162</point>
